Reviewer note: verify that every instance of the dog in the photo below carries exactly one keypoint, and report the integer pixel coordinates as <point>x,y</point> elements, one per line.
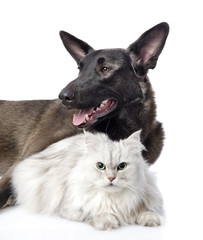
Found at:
<point>112,94</point>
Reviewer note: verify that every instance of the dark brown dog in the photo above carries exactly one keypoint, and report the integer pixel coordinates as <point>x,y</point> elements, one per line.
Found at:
<point>112,92</point>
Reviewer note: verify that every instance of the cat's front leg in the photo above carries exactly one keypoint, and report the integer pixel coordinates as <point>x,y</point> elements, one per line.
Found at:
<point>150,219</point>
<point>105,221</point>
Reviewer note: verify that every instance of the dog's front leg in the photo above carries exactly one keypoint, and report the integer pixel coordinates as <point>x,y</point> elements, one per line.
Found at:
<point>6,196</point>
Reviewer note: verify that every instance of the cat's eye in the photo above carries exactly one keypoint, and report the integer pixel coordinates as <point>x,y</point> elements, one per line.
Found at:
<point>101,166</point>
<point>122,166</point>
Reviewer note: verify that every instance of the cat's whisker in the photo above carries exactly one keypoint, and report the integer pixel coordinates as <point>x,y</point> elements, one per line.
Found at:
<point>88,185</point>
<point>135,188</point>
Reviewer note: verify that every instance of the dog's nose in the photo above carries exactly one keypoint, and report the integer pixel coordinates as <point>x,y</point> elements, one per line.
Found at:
<point>66,95</point>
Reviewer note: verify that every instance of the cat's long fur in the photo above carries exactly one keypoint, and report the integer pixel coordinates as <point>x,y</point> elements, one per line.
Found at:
<point>68,183</point>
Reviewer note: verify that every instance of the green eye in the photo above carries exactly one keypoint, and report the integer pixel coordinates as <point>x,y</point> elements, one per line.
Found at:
<point>122,166</point>
<point>101,166</point>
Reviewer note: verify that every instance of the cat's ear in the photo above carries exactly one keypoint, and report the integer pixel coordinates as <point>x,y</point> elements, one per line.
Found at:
<point>134,141</point>
<point>91,141</point>
<point>135,136</point>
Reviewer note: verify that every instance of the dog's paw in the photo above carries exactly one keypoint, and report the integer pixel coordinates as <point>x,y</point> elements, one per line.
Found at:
<point>150,219</point>
<point>105,222</point>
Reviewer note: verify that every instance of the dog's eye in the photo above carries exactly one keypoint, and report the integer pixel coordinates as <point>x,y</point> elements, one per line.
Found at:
<point>105,69</point>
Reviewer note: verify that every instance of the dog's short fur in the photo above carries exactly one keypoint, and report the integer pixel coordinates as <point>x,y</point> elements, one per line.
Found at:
<point>118,76</point>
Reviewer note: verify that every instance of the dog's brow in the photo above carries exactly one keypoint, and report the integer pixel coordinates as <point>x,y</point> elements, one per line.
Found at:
<point>101,60</point>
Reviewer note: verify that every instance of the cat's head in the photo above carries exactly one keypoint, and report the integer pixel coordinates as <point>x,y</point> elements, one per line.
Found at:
<point>112,166</point>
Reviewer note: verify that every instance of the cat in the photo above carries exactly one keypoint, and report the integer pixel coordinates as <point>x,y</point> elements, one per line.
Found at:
<point>90,178</point>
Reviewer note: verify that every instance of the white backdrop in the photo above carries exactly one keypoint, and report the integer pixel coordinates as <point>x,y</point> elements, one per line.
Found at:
<point>35,65</point>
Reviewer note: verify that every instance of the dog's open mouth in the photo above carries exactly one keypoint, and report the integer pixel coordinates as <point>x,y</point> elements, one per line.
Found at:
<point>87,117</point>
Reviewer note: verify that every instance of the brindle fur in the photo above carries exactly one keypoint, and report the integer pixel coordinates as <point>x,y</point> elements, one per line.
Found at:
<point>27,127</point>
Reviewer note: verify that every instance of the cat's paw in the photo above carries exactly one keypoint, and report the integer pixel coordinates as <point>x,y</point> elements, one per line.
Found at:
<point>150,219</point>
<point>105,221</point>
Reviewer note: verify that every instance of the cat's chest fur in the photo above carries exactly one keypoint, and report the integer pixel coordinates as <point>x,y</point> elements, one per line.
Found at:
<point>89,193</point>
<point>85,202</point>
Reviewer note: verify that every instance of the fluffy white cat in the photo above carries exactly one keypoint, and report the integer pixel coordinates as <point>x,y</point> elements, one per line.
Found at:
<point>92,179</point>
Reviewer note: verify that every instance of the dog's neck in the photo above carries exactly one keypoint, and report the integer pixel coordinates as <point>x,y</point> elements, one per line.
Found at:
<point>118,127</point>
<point>132,117</point>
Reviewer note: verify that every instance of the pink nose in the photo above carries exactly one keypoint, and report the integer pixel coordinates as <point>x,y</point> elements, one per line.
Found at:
<point>111,178</point>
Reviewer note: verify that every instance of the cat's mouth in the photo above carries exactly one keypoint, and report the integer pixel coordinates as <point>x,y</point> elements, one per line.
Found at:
<point>112,188</point>
<point>87,117</point>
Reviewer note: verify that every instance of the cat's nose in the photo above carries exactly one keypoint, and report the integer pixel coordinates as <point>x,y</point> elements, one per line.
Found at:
<point>111,179</point>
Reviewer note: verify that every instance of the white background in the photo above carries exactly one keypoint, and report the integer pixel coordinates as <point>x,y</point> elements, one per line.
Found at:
<point>35,65</point>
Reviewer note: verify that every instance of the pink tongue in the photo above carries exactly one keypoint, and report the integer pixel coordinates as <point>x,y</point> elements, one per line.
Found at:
<point>79,118</point>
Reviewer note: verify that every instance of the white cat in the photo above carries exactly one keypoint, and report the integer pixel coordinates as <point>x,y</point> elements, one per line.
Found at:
<point>90,178</point>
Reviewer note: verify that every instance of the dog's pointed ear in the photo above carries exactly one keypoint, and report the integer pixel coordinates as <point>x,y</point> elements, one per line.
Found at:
<point>76,47</point>
<point>146,50</point>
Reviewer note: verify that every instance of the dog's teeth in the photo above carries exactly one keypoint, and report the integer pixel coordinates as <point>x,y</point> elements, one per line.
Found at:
<point>87,117</point>
<point>105,102</point>
<point>102,105</point>
<point>97,109</point>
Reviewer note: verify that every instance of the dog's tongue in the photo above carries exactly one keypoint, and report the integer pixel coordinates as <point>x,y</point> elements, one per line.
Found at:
<point>79,118</point>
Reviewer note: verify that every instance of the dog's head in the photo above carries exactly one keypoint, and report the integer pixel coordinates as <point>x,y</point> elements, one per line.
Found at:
<point>109,78</point>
